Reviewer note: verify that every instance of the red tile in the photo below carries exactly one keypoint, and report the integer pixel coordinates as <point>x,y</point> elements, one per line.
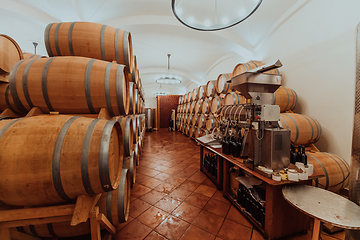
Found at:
<point>161,168</point>
<point>137,207</point>
<point>167,204</point>
<point>186,212</point>
<point>121,225</point>
<point>198,177</point>
<point>151,172</point>
<point>134,230</point>
<point>152,183</point>
<point>152,197</point>
<point>197,200</point>
<point>233,231</point>
<point>163,176</point>
<point>235,216</point>
<point>217,207</point>
<point>154,236</point>
<point>209,222</point>
<point>139,190</point>
<point>173,170</point>
<point>166,188</point>
<point>209,183</point>
<point>218,195</point>
<point>152,217</point>
<point>172,227</point>
<point>180,193</point>
<point>140,178</point>
<point>176,181</point>
<point>256,235</point>
<point>190,185</point>
<point>195,233</point>
<point>205,190</point>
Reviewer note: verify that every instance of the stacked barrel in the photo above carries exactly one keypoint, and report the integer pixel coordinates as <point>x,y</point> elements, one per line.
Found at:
<point>199,109</point>
<point>83,128</point>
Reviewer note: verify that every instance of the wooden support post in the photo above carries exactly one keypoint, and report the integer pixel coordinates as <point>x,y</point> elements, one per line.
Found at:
<point>9,113</point>
<point>94,224</point>
<point>316,230</point>
<point>84,204</point>
<point>101,218</point>
<point>5,234</point>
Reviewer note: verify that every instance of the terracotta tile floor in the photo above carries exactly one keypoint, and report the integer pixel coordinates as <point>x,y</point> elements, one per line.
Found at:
<point>173,199</point>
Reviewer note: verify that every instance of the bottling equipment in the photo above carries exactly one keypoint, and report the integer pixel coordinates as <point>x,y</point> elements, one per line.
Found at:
<point>251,130</point>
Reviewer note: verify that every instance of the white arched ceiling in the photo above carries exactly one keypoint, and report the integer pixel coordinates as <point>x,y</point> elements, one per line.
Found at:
<point>155,32</point>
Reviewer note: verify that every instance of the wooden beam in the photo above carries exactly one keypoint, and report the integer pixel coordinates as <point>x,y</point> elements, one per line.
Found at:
<point>21,236</point>
<point>37,221</point>
<point>84,204</point>
<point>101,218</point>
<point>33,213</point>
<point>94,224</point>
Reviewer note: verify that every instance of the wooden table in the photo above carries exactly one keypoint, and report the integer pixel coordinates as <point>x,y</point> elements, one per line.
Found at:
<point>281,219</point>
<point>323,206</point>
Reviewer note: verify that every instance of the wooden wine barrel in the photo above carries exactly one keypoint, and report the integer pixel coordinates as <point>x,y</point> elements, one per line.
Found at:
<point>134,74</point>
<point>70,85</point>
<point>52,159</point>
<point>202,120</point>
<point>132,98</point>
<point>206,106</point>
<point>211,122</point>
<point>194,95</point>
<point>191,131</point>
<point>187,108</point>
<point>304,129</point>
<point>115,205</point>
<point>211,88</point>
<point>233,98</point>
<point>216,103</point>
<point>92,40</point>
<point>198,106</point>
<point>180,100</point>
<point>32,56</point>
<point>10,53</point>
<point>192,107</point>
<point>188,120</point>
<point>130,163</point>
<point>222,86</point>
<point>194,120</point>
<point>4,92</point>
<point>286,98</point>
<point>127,130</point>
<point>243,67</point>
<point>178,124</point>
<point>201,92</point>
<point>187,130</point>
<point>335,169</point>
<point>136,128</point>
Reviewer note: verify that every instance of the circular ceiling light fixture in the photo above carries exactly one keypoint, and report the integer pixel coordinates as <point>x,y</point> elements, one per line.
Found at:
<point>168,75</point>
<point>160,92</point>
<point>202,15</point>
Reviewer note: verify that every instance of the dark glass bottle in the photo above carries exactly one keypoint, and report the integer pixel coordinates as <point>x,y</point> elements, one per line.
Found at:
<point>304,156</point>
<point>299,155</point>
<point>292,154</point>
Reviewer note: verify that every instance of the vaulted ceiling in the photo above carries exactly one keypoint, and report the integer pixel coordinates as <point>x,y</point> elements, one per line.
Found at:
<point>155,31</point>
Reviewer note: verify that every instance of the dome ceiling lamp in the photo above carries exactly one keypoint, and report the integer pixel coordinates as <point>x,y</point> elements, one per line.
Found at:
<point>168,76</point>
<point>208,15</point>
<point>160,92</point>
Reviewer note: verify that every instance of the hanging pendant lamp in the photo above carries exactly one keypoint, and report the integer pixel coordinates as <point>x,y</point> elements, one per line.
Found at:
<point>168,75</point>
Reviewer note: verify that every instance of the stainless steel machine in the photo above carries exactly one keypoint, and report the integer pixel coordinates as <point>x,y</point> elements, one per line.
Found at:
<point>255,123</point>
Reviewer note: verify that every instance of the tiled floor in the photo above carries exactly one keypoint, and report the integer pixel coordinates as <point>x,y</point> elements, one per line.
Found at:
<point>172,199</point>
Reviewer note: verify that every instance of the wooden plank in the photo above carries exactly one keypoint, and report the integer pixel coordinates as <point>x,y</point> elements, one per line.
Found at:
<point>35,111</point>
<point>5,234</point>
<point>104,114</point>
<point>9,113</point>
<point>17,223</point>
<point>84,204</point>
<point>316,230</point>
<point>21,236</point>
<point>94,224</point>
<point>101,218</point>
<point>33,213</point>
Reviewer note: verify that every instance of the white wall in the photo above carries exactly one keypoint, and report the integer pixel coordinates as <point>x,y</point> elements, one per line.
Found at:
<point>317,48</point>
<point>150,99</point>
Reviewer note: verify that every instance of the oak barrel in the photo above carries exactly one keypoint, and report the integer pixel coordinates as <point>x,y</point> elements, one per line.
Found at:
<point>52,159</point>
<point>244,67</point>
<point>136,124</point>
<point>4,88</point>
<point>211,88</point>
<point>216,103</point>
<point>127,130</point>
<point>132,98</point>
<point>130,163</point>
<point>194,94</point>
<point>286,98</point>
<point>194,119</point>
<point>201,92</point>
<point>335,169</point>
<point>10,54</point>
<point>92,40</point>
<point>211,122</point>
<point>32,56</point>
<point>202,120</point>
<point>198,106</point>
<point>222,86</point>
<point>70,85</point>
<point>206,106</point>
<point>114,205</point>
<point>304,129</point>
<point>234,98</point>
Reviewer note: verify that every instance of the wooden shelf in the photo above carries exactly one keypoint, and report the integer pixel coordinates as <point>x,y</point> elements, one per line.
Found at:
<point>218,181</point>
